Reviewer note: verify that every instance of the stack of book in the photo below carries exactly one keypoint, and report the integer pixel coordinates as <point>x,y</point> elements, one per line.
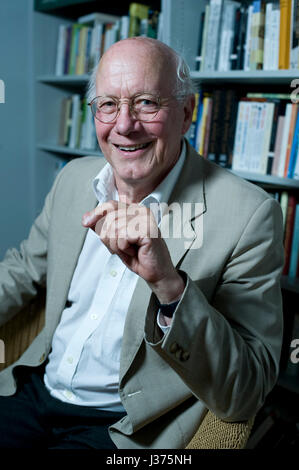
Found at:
<point>259,35</point>
<point>80,45</point>
<point>257,133</point>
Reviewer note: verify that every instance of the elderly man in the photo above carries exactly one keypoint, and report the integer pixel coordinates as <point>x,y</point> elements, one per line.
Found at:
<point>165,300</point>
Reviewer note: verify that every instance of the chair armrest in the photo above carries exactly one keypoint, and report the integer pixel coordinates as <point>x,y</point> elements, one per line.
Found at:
<point>19,332</point>
<point>213,433</point>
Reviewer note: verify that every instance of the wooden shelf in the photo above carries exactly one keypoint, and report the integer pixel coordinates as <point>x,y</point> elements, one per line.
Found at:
<point>69,152</point>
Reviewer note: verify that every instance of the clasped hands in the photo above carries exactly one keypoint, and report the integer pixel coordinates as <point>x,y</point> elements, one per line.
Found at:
<point>131,232</point>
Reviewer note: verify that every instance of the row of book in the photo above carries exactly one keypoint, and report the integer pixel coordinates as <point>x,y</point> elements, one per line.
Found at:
<point>256,133</point>
<point>260,35</point>
<point>76,128</point>
<point>80,45</point>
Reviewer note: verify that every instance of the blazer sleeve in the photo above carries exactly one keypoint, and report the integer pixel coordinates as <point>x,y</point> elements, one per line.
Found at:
<point>23,270</point>
<point>228,352</point>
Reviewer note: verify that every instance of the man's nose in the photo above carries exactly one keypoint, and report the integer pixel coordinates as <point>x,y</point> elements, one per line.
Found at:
<point>125,121</point>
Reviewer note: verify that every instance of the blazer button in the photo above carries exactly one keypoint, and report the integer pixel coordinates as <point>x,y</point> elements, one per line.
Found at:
<point>43,356</point>
<point>185,356</point>
<point>178,354</point>
<point>174,347</point>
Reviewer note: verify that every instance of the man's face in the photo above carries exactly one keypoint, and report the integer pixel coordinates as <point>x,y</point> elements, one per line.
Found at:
<point>126,71</point>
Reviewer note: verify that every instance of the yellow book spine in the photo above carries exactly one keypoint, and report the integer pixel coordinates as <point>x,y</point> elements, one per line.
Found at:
<point>285,34</point>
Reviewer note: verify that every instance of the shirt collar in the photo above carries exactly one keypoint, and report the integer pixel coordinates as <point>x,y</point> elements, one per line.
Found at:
<point>105,190</point>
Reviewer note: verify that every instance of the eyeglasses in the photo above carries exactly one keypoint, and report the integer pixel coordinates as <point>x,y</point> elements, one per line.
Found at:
<point>143,107</point>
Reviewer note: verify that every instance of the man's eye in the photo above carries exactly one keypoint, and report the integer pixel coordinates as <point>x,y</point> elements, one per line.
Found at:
<point>107,106</point>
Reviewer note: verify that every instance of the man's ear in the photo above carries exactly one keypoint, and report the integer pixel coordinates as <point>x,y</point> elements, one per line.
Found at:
<point>188,113</point>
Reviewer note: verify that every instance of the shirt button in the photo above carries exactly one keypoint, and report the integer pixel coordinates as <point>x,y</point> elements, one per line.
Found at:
<point>68,394</point>
<point>70,360</point>
<point>93,316</point>
<point>113,273</point>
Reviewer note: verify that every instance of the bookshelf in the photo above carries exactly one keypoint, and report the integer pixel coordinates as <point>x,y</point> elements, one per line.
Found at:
<point>181,25</point>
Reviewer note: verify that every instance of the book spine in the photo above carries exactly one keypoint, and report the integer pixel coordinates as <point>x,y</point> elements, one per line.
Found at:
<point>274,39</point>
<point>277,147</point>
<point>204,40</point>
<point>192,133</point>
<point>208,129</point>
<point>213,35</point>
<point>267,40</point>
<point>248,39</point>
<point>293,154</point>
<point>284,143</point>
<point>264,160</point>
<point>290,138</point>
<point>237,162</point>
<point>285,26</point>
<point>61,44</point>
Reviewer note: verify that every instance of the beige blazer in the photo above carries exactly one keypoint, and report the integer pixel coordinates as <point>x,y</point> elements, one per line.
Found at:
<point>222,351</point>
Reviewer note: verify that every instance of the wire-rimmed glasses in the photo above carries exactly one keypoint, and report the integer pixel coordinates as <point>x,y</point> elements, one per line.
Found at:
<point>143,107</point>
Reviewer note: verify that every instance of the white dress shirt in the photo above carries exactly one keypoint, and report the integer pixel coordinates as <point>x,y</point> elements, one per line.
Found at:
<point>83,365</point>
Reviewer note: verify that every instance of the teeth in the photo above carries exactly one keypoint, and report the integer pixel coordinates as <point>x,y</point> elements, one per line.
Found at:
<point>135,147</point>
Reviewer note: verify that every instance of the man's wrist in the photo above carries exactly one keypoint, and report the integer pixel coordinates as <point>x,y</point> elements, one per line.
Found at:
<point>169,290</point>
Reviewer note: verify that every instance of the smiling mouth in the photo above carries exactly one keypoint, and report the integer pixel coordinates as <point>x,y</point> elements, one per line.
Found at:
<point>132,148</point>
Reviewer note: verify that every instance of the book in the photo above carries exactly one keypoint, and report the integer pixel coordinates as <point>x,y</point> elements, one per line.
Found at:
<point>284,143</point>
<point>285,33</point>
<point>61,45</point>
<point>277,147</point>
<point>208,129</point>
<point>238,161</point>
<point>271,40</point>
<point>204,38</point>
<point>247,48</point>
<point>294,46</point>
<point>290,138</point>
<point>192,132</point>
<point>257,35</point>
<point>227,34</point>
<point>96,17</point>
<point>289,230</point>
<point>74,121</point>
<point>296,165</point>
<point>212,36</point>
<point>200,143</point>
<point>137,13</point>
<point>294,256</point>
<point>284,198</point>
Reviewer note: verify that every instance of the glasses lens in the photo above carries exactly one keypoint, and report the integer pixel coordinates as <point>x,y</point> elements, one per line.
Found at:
<point>104,109</point>
<point>146,107</point>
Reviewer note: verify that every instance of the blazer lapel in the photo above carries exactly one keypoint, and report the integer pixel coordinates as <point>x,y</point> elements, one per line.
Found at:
<point>181,228</point>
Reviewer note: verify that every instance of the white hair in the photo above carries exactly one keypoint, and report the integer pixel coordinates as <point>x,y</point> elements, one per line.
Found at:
<point>184,83</point>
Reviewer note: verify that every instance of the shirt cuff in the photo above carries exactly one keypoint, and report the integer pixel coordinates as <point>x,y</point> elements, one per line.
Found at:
<point>164,328</point>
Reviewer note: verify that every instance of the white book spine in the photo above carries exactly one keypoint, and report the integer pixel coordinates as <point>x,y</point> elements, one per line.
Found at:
<point>124,27</point>
<point>274,39</point>
<point>268,19</point>
<point>213,35</point>
<point>269,113</point>
<point>238,163</point>
<point>204,37</point>
<point>75,117</point>
<point>285,138</point>
<point>251,146</point>
<point>59,68</point>
<point>248,39</point>
<point>226,36</point>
